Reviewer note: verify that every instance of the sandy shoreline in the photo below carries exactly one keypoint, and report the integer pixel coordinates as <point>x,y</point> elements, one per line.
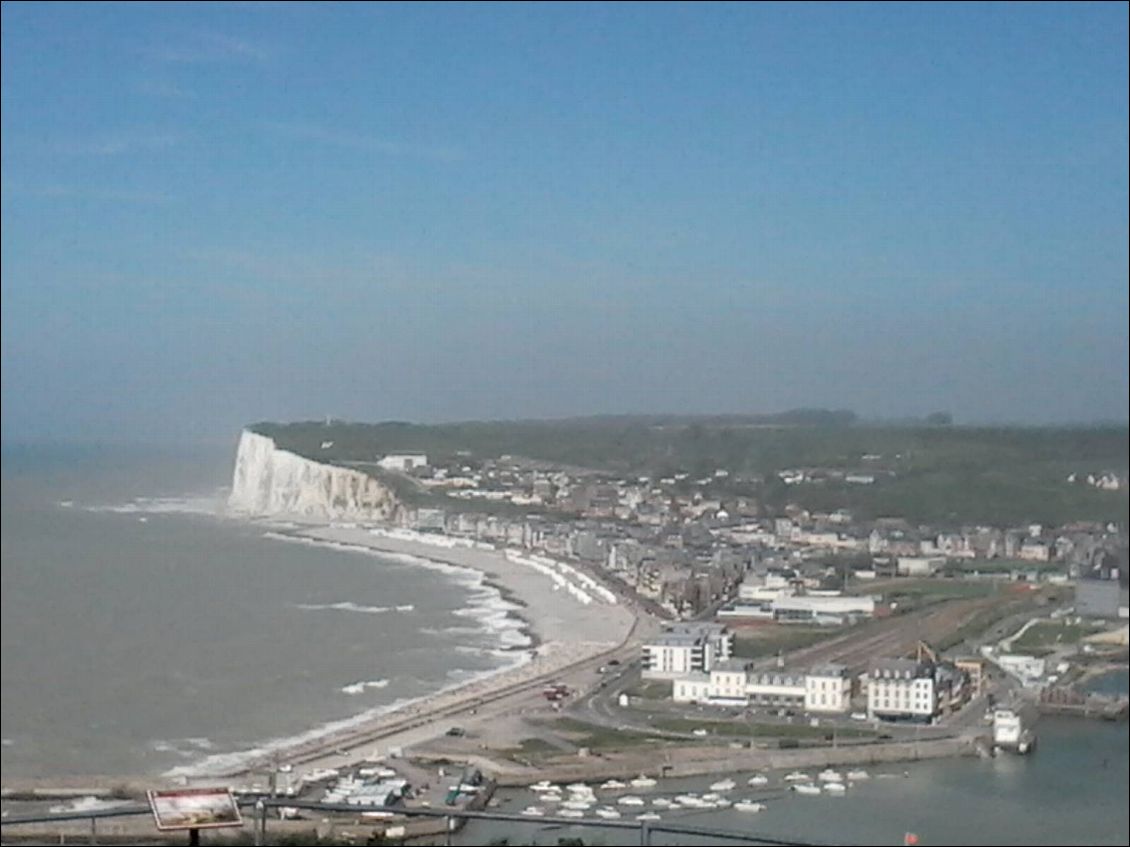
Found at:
<point>562,631</point>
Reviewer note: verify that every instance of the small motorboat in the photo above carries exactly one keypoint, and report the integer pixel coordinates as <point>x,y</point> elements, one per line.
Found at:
<point>533,812</point>
<point>797,776</point>
<point>806,788</point>
<point>607,812</point>
<point>758,779</point>
<point>613,785</point>
<point>631,800</point>
<point>648,816</point>
<point>829,775</point>
<point>835,788</point>
<point>643,781</point>
<point>748,806</point>
<point>724,785</point>
<point>858,775</point>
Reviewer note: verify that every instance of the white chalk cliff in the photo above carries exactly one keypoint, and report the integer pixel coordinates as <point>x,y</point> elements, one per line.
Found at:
<point>273,482</point>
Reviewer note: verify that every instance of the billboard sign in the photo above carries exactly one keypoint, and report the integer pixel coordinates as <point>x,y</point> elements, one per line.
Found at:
<point>194,808</point>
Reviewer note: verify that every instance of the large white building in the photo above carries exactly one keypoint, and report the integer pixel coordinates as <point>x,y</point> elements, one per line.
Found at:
<point>403,461</point>
<point>784,607</point>
<point>902,689</point>
<point>683,649</point>
<point>734,682</point>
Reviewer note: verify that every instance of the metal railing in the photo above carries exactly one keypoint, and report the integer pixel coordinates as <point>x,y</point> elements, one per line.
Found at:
<point>453,817</point>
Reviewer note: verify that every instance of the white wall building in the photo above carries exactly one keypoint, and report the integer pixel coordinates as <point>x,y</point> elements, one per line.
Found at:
<point>902,689</point>
<point>728,682</point>
<point>776,688</point>
<point>827,689</point>
<point>682,649</point>
<point>693,688</point>
<point>830,610</point>
<point>920,565</point>
<point>403,461</point>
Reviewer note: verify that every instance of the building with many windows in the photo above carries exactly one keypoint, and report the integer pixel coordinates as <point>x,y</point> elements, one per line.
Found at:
<point>902,689</point>
<point>827,689</point>
<point>687,648</point>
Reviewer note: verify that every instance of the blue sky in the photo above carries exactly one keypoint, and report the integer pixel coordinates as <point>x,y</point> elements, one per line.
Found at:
<point>215,214</point>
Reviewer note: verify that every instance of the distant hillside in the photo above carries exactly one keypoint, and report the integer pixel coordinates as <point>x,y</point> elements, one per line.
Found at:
<point>936,474</point>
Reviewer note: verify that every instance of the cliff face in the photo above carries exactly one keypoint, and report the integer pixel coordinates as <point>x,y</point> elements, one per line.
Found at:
<point>269,481</point>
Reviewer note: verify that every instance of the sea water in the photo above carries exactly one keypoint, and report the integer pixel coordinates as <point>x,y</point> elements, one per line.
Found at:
<point>144,632</point>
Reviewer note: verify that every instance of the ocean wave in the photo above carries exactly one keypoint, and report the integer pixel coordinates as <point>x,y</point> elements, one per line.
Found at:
<point>360,687</point>
<point>220,764</point>
<point>344,606</point>
<point>210,505</point>
<point>87,804</point>
<point>184,747</point>
<point>492,615</point>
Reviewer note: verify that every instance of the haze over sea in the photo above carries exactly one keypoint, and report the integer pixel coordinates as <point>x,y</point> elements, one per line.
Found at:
<point>143,632</point>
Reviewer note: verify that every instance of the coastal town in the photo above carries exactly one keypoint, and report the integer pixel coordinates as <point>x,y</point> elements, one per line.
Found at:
<point>680,626</point>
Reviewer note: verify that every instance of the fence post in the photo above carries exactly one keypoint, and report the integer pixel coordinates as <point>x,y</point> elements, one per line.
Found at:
<point>260,823</point>
<point>94,830</point>
<point>645,833</point>
<point>449,825</point>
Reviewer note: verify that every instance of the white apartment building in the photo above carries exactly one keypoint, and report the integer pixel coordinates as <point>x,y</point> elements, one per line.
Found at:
<point>902,689</point>
<point>827,689</point>
<point>683,649</point>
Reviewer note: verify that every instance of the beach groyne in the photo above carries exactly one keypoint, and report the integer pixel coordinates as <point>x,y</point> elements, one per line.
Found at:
<point>269,482</point>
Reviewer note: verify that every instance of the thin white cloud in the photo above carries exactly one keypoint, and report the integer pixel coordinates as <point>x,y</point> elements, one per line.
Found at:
<point>364,143</point>
<point>108,195</point>
<point>117,144</point>
<point>162,88</point>
<point>210,47</point>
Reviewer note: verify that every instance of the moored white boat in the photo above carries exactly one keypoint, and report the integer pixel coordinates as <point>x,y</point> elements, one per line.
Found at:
<point>662,803</point>
<point>648,816</point>
<point>835,788</point>
<point>758,779</point>
<point>613,785</point>
<point>749,806</point>
<point>631,800</point>
<point>829,775</point>
<point>724,785</point>
<point>607,812</point>
<point>571,813</point>
<point>533,812</point>
<point>858,774</point>
<point>643,781</point>
<point>806,788</point>
<point>544,785</point>
<point>797,776</point>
